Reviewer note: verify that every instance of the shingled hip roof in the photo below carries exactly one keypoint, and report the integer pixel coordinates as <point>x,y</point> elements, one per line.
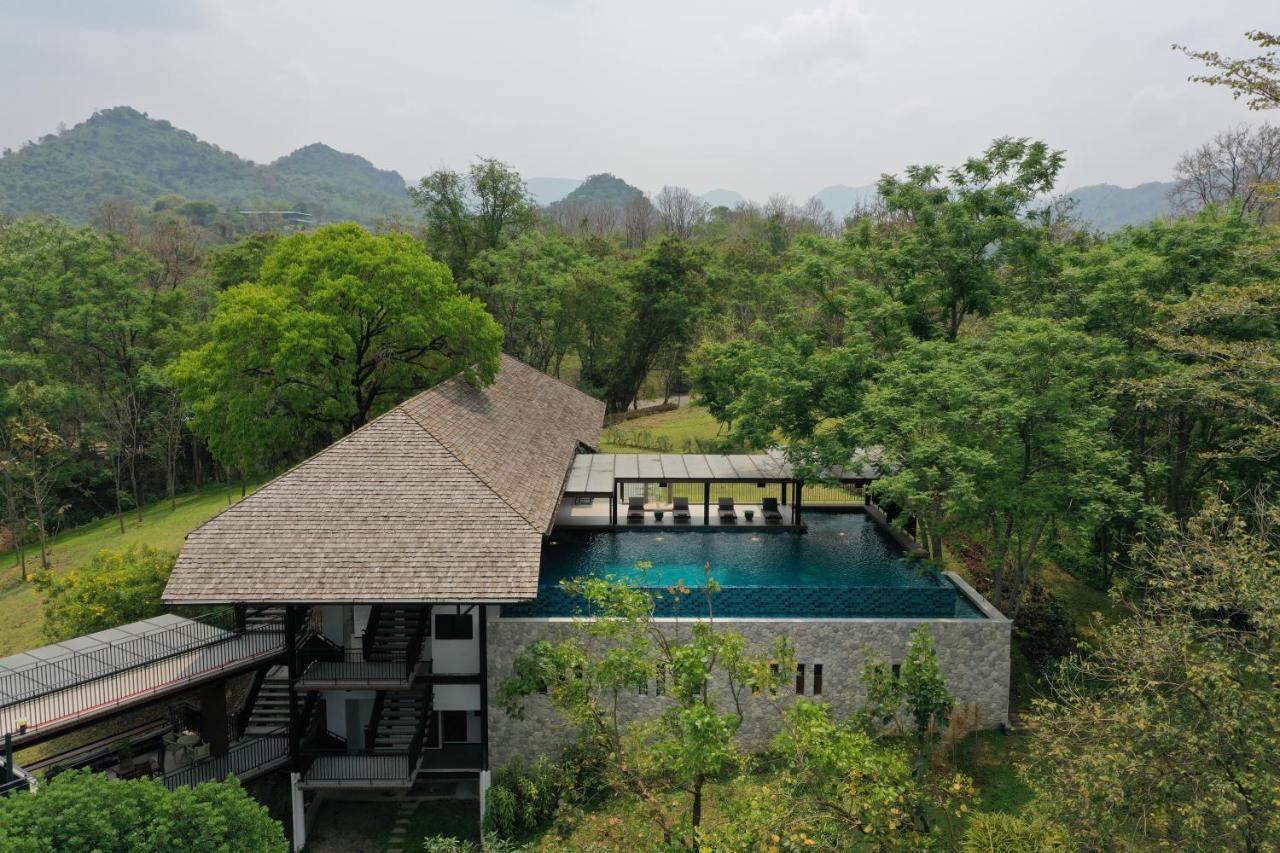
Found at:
<point>444,498</point>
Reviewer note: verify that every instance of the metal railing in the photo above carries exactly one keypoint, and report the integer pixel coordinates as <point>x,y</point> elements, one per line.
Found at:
<point>80,684</point>
<point>329,666</point>
<point>823,494</point>
<point>338,767</point>
<point>247,757</point>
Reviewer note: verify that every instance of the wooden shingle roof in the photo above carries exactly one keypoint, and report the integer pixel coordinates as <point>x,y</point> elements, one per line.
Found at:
<point>444,498</point>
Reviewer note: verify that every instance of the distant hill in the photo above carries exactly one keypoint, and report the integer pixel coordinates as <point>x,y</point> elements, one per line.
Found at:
<point>723,198</point>
<point>548,190</point>
<point>1106,207</point>
<point>603,187</point>
<point>121,152</point>
<point>841,199</point>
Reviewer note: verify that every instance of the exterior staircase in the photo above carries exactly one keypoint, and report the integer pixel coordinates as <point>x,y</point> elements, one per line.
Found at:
<point>402,716</point>
<point>392,632</point>
<point>270,711</point>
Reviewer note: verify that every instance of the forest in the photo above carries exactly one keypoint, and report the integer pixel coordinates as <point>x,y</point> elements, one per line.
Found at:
<point>1050,397</point>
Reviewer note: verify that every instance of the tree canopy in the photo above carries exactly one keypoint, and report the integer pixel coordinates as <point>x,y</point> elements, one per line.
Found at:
<point>340,326</point>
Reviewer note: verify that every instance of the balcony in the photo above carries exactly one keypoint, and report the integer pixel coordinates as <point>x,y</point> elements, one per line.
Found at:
<point>347,669</point>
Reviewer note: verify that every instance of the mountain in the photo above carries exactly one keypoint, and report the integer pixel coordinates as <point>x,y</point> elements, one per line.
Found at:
<point>603,187</point>
<point>841,199</point>
<point>121,152</point>
<point>1106,207</point>
<point>723,198</point>
<point>548,190</point>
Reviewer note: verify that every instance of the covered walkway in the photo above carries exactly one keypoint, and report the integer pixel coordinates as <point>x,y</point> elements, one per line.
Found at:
<point>54,689</point>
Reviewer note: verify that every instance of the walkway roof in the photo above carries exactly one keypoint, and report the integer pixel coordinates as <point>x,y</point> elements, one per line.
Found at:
<point>597,473</point>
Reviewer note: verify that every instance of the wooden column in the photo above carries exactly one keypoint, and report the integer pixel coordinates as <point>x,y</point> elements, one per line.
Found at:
<point>706,503</point>
<point>796,508</point>
<point>783,499</point>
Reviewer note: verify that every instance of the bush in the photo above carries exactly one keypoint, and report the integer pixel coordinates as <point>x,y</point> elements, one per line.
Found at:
<point>500,811</point>
<point>525,797</point>
<point>1002,833</point>
<point>111,589</point>
<point>83,811</point>
<point>1044,630</point>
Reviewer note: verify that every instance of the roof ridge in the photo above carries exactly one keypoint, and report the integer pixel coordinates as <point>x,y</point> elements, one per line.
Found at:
<point>465,464</point>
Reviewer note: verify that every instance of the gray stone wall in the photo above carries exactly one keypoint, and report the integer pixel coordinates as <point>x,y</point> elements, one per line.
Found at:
<point>973,655</point>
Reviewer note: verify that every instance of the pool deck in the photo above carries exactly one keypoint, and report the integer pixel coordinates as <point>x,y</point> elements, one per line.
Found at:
<point>572,516</point>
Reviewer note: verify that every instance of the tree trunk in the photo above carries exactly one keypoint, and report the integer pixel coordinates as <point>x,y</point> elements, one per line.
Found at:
<point>133,483</point>
<point>698,782</point>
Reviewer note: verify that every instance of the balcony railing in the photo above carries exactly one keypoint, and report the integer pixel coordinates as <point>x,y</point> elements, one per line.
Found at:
<point>247,758</point>
<point>338,668</point>
<point>335,769</point>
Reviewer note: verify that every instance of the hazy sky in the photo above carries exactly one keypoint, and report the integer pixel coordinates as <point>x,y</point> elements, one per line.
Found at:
<point>753,95</point>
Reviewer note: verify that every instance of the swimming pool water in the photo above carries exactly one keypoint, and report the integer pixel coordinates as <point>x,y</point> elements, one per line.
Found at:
<point>844,566</point>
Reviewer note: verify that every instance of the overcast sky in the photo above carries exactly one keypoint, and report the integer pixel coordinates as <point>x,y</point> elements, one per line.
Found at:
<point>758,96</point>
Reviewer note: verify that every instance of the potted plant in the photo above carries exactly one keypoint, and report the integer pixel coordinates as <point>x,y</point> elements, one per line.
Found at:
<point>657,514</point>
<point>750,514</point>
<point>22,726</point>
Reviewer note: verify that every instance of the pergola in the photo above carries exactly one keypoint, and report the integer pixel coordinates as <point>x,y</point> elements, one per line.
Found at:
<point>604,474</point>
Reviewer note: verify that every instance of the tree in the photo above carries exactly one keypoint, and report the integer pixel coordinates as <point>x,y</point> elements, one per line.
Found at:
<point>467,214</point>
<point>639,221</point>
<point>529,287</point>
<point>1240,165</point>
<point>668,292</point>
<point>340,326</point>
<point>917,689</point>
<point>37,452</point>
<point>955,235</point>
<point>696,665</point>
<point>680,210</point>
<point>1164,733</point>
<point>239,262</point>
<point>1001,438</point>
<point>1256,79</point>
<point>79,811</point>
<point>111,589</point>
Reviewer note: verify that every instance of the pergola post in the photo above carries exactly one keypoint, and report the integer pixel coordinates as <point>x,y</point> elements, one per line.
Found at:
<point>783,484</point>
<point>796,509</point>
<point>706,502</point>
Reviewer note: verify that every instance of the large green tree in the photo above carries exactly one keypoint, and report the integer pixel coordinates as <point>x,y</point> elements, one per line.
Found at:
<point>340,326</point>
<point>951,231</point>
<point>1001,438</point>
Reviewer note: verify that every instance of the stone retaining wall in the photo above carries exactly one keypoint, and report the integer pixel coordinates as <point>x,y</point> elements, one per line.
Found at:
<point>973,655</point>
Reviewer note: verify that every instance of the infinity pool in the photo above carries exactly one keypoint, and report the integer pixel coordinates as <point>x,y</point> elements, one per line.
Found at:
<point>845,566</point>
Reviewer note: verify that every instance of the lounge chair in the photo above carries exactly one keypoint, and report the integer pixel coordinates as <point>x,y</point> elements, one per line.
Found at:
<point>772,515</point>
<point>635,510</point>
<point>728,515</point>
<point>680,510</point>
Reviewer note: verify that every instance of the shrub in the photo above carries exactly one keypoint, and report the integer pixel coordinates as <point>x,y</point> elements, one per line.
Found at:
<point>1044,630</point>
<point>83,811</point>
<point>1002,833</point>
<point>112,588</point>
<point>500,811</point>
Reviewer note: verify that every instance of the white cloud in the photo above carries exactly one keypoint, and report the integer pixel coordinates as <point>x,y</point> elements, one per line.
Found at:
<point>835,41</point>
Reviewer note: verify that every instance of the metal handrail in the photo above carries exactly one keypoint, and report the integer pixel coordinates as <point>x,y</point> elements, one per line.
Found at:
<point>124,681</point>
<point>59,673</point>
<point>263,749</point>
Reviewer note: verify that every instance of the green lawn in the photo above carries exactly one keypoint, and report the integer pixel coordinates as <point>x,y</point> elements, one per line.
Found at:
<point>679,426</point>
<point>161,527</point>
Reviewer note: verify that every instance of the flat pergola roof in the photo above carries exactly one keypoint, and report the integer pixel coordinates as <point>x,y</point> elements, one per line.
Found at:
<point>597,474</point>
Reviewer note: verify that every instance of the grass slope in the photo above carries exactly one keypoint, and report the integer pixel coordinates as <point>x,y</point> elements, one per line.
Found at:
<point>161,528</point>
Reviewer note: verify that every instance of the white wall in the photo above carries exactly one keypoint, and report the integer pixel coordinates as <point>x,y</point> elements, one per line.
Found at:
<point>455,656</point>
